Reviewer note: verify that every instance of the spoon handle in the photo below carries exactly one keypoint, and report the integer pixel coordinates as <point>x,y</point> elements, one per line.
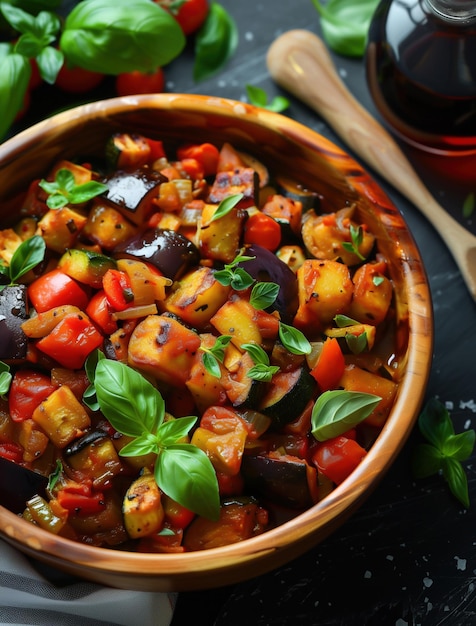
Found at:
<point>300,63</point>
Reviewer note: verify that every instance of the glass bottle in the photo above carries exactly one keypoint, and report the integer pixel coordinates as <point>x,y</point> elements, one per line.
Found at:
<point>421,72</point>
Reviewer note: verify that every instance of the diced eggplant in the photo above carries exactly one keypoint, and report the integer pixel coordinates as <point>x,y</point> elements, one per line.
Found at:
<point>287,396</point>
<point>132,192</point>
<point>13,312</point>
<point>289,188</point>
<point>266,266</point>
<point>18,485</point>
<point>172,253</point>
<point>284,480</point>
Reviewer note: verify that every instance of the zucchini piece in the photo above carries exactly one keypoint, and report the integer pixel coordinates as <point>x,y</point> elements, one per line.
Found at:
<point>283,479</point>
<point>242,390</point>
<point>293,190</point>
<point>287,396</point>
<point>86,266</point>
<point>142,507</point>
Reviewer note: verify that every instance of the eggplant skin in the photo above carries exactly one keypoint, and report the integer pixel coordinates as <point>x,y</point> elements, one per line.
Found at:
<point>172,253</point>
<point>13,312</point>
<point>266,266</point>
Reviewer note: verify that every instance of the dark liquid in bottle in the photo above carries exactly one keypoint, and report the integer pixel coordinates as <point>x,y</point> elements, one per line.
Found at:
<point>421,72</point>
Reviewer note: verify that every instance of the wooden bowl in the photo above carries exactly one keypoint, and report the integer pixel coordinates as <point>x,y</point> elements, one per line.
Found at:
<point>296,151</point>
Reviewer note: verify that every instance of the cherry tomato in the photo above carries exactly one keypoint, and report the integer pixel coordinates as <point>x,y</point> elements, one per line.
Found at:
<point>28,389</point>
<point>263,230</point>
<point>190,14</point>
<point>338,457</point>
<point>77,79</point>
<point>131,83</point>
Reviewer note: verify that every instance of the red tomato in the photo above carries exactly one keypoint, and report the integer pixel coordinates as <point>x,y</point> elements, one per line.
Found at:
<point>77,79</point>
<point>131,83</point>
<point>55,288</point>
<point>263,230</point>
<point>70,341</point>
<point>175,514</point>
<point>73,500</point>
<point>28,389</point>
<point>338,457</point>
<point>330,366</point>
<point>190,14</point>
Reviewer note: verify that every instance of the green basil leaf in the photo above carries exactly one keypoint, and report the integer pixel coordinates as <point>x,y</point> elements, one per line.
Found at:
<point>226,205</point>
<point>426,460</point>
<point>337,411</point>
<point>241,280</point>
<point>90,398</point>
<point>256,96</point>
<point>145,444</point>
<point>469,205</point>
<point>278,104</point>
<point>345,24</point>
<point>293,339</point>
<point>435,423</point>
<point>64,180</point>
<point>27,256</point>
<point>87,191</point>
<point>171,431</point>
<point>55,475</point>
<point>185,474</point>
<point>455,476</point>
<point>56,201</point>
<point>127,399</point>
<point>5,381</point>
<point>49,61</point>
<point>343,320</point>
<point>211,364</point>
<point>15,72</point>
<point>459,447</point>
<point>116,37</point>
<point>262,372</point>
<point>20,20</point>
<point>215,42</point>
<point>256,352</point>
<point>357,343</point>
<point>263,295</point>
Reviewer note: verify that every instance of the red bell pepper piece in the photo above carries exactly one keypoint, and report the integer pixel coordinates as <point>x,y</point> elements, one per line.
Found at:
<point>55,288</point>
<point>81,502</point>
<point>11,451</point>
<point>100,313</point>
<point>28,389</point>
<point>117,288</point>
<point>330,366</point>
<point>70,342</point>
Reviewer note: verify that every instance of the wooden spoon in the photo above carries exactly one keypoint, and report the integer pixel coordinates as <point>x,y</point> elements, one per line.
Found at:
<point>299,62</point>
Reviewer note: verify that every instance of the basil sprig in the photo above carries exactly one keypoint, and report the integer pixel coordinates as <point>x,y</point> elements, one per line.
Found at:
<point>262,370</point>
<point>356,236</point>
<point>64,190</point>
<point>116,36</point>
<point>215,42</point>
<point>212,357</point>
<point>335,412</point>
<point>226,205</point>
<point>444,450</point>
<point>135,408</point>
<point>28,255</point>
<point>345,24</point>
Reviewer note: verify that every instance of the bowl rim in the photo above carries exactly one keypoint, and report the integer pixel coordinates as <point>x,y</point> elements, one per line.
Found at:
<point>345,498</point>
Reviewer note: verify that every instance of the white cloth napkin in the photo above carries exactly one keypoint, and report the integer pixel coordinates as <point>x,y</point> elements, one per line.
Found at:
<point>28,598</point>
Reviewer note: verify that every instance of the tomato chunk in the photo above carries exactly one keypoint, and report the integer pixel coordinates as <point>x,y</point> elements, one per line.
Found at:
<point>338,457</point>
<point>28,389</point>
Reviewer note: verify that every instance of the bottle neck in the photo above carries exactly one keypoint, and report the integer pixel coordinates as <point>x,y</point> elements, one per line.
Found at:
<point>454,11</point>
